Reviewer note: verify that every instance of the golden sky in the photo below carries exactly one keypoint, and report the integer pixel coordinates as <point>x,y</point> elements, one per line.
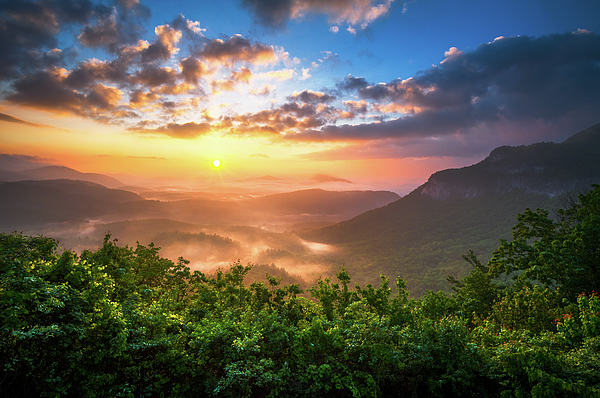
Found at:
<point>357,94</point>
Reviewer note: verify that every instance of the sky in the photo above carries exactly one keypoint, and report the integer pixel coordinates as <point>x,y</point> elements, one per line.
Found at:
<point>340,94</point>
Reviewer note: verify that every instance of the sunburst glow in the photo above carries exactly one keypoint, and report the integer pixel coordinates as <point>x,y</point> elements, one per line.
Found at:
<point>216,163</point>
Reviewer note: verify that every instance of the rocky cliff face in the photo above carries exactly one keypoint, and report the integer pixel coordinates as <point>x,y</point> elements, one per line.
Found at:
<point>441,190</point>
<point>544,169</point>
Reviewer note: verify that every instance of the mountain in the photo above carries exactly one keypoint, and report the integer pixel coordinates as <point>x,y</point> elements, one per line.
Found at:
<point>59,172</point>
<point>31,203</point>
<point>422,236</point>
<point>26,203</point>
<point>321,202</point>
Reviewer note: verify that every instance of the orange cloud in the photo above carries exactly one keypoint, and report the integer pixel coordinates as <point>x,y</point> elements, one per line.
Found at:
<point>141,100</point>
<point>192,69</point>
<point>175,130</point>
<point>264,90</point>
<point>165,45</point>
<point>396,108</point>
<point>237,49</point>
<point>235,78</point>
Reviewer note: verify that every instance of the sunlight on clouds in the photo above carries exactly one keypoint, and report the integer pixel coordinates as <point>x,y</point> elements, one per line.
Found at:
<point>452,53</point>
<point>282,74</point>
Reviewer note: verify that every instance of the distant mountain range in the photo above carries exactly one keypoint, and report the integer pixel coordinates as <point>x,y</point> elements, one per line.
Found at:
<point>422,236</point>
<point>59,172</point>
<point>29,203</point>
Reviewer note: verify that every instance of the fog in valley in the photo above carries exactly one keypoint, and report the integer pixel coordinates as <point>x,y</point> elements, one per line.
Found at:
<point>211,229</point>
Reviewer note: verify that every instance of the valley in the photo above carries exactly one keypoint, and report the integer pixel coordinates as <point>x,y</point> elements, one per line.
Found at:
<point>312,233</point>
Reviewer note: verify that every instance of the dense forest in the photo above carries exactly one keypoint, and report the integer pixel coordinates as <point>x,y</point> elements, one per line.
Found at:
<point>121,321</point>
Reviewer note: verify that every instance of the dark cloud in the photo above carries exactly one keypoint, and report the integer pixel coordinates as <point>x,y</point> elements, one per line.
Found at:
<point>516,79</point>
<point>271,14</point>
<point>152,76</point>
<point>91,72</point>
<point>12,119</point>
<point>46,90</point>
<point>112,28</point>
<point>165,45</point>
<point>29,32</point>
<point>274,14</point>
<point>237,49</point>
<point>414,147</point>
<point>328,178</point>
<point>104,34</point>
<point>192,69</point>
<point>427,123</point>
<point>351,83</point>
<point>312,97</point>
<point>175,130</point>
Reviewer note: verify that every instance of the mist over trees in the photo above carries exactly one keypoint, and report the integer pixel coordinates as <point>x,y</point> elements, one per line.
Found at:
<point>123,321</point>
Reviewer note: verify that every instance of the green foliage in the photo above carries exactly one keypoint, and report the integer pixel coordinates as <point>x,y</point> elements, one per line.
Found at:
<point>561,254</point>
<point>123,321</point>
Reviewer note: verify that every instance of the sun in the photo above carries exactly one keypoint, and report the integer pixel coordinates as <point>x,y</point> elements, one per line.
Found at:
<point>216,162</point>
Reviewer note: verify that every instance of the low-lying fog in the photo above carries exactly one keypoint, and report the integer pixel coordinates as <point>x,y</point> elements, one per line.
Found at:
<point>210,229</point>
<point>206,247</point>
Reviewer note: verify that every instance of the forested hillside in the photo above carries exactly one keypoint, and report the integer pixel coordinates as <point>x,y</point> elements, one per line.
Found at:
<point>423,236</point>
<point>122,321</point>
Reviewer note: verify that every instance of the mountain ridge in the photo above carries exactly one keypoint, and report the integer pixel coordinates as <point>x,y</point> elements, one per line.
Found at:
<point>58,172</point>
<point>423,235</point>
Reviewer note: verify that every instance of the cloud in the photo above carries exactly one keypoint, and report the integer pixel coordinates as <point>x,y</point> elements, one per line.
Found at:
<point>351,83</point>
<point>146,157</point>
<point>334,29</point>
<point>113,28</point>
<point>136,75</point>
<point>361,106</point>
<point>260,155</point>
<point>165,45</point>
<point>275,14</point>
<point>237,49</point>
<point>192,69</point>
<point>311,97</point>
<point>518,79</point>
<point>175,130</point>
<point>414,147</point>
<point>30,30</point>
<point>328,178</point>
<point>264,90</point>
<point>12,119</point>
<point>283,74</point>
<point>14,162</point>
<point>235,78</point>
<point>90,72</point>
<point>451,54</point>
<point>152,76</point>
<point>305,74</point>
<point>47,90</point>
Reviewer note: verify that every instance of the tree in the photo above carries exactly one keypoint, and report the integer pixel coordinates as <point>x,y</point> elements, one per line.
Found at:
<point>562,254</point>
